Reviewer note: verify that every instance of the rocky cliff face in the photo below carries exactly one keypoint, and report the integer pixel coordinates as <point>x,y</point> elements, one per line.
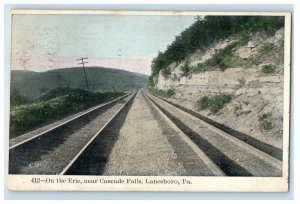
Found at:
<point>255,82</point>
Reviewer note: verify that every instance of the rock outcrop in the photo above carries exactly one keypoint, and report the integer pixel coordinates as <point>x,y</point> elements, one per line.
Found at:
<point>254,92</point>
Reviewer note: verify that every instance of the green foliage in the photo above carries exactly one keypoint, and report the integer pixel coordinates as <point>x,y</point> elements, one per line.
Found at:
<point>225,58</point>
<point>16,98</point>
<point>235,61</point>
<point>267,48</point>
<point>56,103</point>
<point>215,103</point>
<point>266,121</point>
<point>159,92</point>
<point>242,39</point>
<point>185,68</point>
<point>32,84</point>
<point>203,102</point>
<point>211,29</point>
<point>267,69</point>
<point>166,72</point>
<point>151,82</point>
<point>170,92</point>
<point>266,51</point>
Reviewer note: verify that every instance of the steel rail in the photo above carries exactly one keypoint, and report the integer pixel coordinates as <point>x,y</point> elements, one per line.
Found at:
<point>260,154</point>
<point>69,165</point>
<point>206,160</point>
<point>68,121</point>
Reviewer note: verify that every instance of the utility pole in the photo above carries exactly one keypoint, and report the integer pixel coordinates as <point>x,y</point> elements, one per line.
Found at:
<point>83,62</point>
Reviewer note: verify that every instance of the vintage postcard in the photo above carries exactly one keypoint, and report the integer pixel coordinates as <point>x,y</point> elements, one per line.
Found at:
<point>149,101</point>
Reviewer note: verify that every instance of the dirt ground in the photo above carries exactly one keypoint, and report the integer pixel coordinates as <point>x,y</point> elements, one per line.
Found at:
<point>142,147</point>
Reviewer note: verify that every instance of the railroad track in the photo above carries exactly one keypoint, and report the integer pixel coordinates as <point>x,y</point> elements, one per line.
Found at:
<point>51,151</point>
<point>235,156</point>
<point>94,159</point>
<point>203,148</point>
<point>264,147</point>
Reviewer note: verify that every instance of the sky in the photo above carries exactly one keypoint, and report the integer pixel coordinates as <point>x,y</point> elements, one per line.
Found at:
<point>129,42</point>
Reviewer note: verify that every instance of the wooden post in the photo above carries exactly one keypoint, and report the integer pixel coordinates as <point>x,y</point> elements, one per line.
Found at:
<point>82,62</point>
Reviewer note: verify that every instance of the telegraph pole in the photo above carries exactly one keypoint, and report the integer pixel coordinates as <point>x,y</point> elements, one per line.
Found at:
<point>83,62</point>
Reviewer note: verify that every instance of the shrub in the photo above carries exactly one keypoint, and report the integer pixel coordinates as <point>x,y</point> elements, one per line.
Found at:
<point>203,67</point>
<point>151,80</point>
<point>218,102</point>
<point>163,93</point>
<point>267,48</point>
<point>170,92</point>
<point>267,69</point>
<point>52,105</point>
<point>185,68</point>
<point>215,103</point>
<point>266,51</point>
<point>203,102</point>
<point>266,121</point>
<point>165,72</point>
<point>225,58</point>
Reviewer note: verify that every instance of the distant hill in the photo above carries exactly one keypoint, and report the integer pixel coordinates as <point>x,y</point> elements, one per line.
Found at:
<point>31,84</point>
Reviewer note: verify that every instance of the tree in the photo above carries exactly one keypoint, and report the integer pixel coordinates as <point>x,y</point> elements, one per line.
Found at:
<point>209,29</point>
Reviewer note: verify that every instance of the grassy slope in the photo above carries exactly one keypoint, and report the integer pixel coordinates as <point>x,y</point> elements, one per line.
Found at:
<point>52,105</point>
<point>32,84</point>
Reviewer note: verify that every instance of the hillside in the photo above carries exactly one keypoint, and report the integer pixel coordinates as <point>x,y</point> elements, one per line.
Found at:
<point>206,31</point>
<point>53,105</point>
<point>31,84</point>
<point>234,79</point>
